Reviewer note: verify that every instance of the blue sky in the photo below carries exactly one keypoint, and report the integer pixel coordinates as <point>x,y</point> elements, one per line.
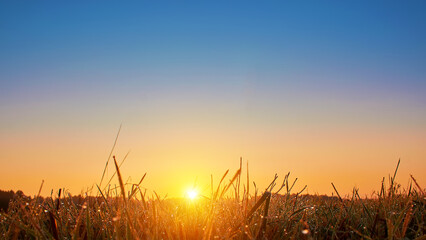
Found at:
<point>343,51</point>
<point>214,66</point>
<point>383,37</point>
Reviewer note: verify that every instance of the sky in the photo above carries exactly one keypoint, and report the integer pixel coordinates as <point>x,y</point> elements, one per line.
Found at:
<point>330,91</point>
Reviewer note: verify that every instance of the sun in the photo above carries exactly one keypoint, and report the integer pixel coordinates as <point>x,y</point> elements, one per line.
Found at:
<point>191,194</point>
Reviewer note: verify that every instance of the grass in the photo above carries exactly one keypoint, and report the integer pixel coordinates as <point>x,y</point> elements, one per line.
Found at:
<point>231,211</point>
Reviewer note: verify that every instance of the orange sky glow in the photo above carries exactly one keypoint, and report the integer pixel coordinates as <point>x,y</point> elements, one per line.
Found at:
<point>331,93</point>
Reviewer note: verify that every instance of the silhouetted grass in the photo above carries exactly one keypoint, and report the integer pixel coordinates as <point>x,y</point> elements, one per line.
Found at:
<point>230,212</point>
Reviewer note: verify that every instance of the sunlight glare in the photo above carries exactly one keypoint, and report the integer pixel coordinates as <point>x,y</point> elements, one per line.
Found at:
<point>192,194</point>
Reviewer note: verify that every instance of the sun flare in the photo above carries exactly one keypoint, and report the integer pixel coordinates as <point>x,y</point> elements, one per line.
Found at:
<point>191,194</point>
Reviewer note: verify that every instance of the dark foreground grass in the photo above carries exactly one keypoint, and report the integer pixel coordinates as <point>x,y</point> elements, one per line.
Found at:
<point>126,212</point>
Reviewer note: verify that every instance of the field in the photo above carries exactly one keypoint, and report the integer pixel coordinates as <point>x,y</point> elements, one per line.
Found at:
<point>278,212</point>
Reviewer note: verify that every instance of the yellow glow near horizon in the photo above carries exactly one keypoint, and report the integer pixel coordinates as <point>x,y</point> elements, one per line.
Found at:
<point>191,194</point>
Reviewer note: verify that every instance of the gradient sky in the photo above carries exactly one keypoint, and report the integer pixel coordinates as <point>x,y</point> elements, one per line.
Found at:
<point>331,91</point>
